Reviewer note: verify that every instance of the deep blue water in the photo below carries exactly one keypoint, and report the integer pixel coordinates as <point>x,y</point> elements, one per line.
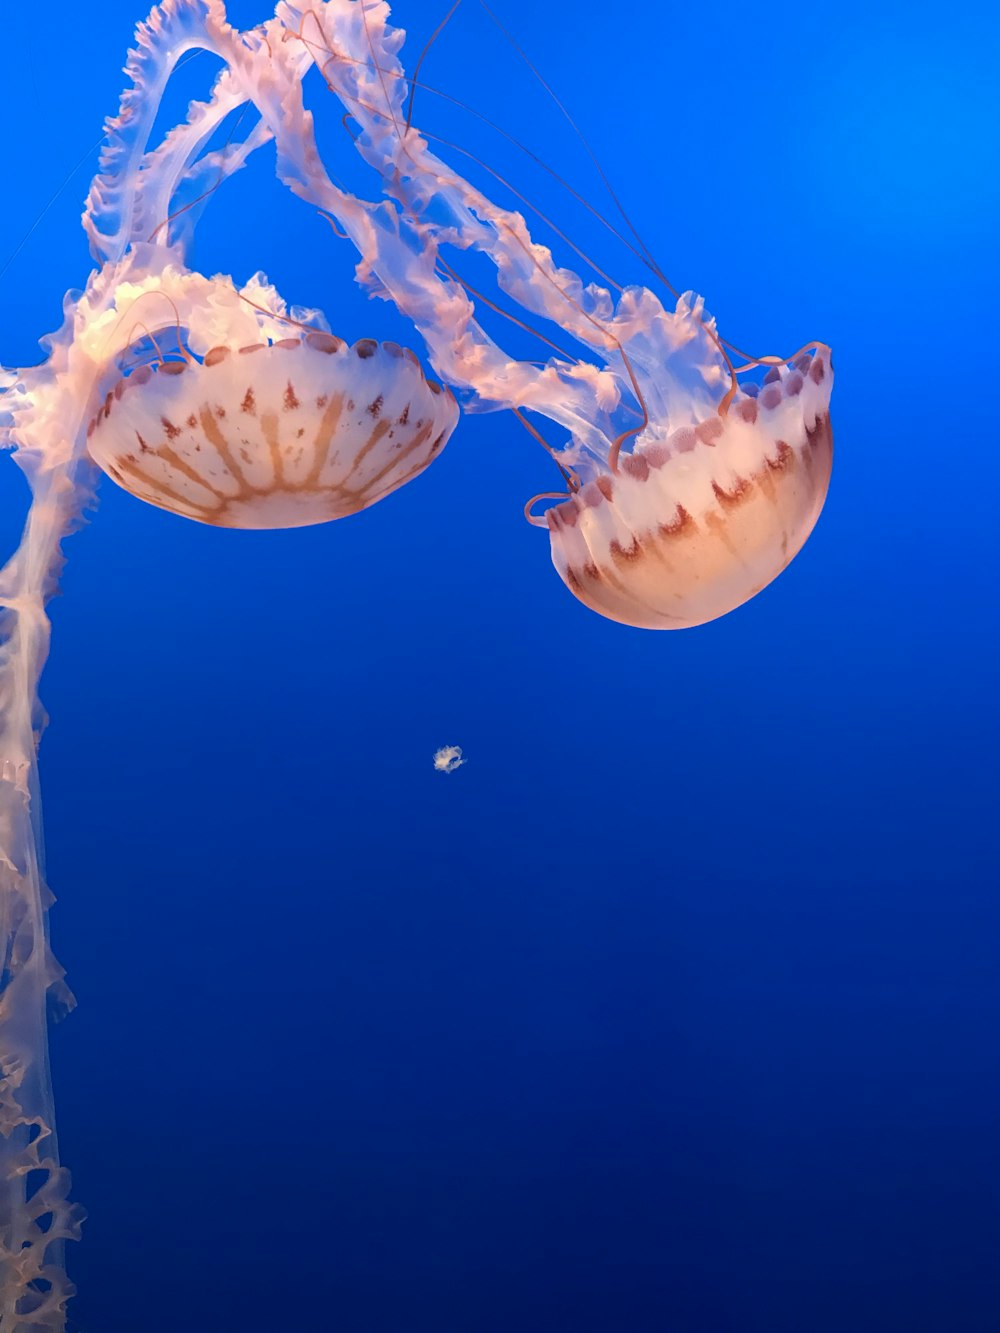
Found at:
<point>675,1009</point>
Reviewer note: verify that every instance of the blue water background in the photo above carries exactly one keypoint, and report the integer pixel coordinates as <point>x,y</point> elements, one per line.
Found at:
<point>676,1009</point>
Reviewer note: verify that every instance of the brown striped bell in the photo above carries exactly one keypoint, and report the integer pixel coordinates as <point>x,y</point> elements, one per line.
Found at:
<point>695,523</point>
<point>274,435</point>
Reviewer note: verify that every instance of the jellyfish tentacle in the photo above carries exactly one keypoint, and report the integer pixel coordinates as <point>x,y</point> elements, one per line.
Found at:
<point>415,80</point>
<point>399,255</point>
<point>32,1229</point>
<point>110,218</point>
<point>671,359</point>
<point>413,83</point>
<point>33,1222</point>
<point>399,252</point>
<point>705,486</point>
<point>131,196</point>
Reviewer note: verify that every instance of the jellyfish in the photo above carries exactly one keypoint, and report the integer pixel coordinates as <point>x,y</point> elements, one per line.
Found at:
<point>448,759</point>
<point>691,473</point>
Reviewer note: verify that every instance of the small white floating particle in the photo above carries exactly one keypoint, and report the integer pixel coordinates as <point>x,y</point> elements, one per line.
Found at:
<point>448,758</point>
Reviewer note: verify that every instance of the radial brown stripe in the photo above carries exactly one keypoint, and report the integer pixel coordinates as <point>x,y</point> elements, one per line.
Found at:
<point>717,527</point>
<point>654,545</point>
<point>605,575</point>
<point>216,438</point>
<point>602,574</point>
<point>157,486</point>
<point>323,438</point>
<point>395,461</point>
<point>174,459</point>
<point>768,486</point>
<point>664,539</point>
<point>368,446</point>
<point>269,427</point>
<point>368,489</point>
<point>630,595</point>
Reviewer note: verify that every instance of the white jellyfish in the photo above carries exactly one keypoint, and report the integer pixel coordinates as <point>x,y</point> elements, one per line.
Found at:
<point>448,758</point>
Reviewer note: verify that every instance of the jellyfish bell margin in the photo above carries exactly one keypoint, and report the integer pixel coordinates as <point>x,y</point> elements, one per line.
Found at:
<point>281,433</point>
<point>695,523</point>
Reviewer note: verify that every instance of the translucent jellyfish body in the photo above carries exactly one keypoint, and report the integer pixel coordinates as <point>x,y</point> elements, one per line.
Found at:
<point>694,525</point>
<point>448,759</point>
<point>273,435</point>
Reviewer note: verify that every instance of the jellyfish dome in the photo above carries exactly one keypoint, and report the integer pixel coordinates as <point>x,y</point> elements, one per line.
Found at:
<point>695,524</point>
<point>278,432</point>
<point>273,435</point>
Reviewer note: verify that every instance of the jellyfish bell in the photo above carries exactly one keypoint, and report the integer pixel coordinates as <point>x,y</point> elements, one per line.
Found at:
<point>277,426</point>
<point>272,435</point>
<point>694,524</point>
